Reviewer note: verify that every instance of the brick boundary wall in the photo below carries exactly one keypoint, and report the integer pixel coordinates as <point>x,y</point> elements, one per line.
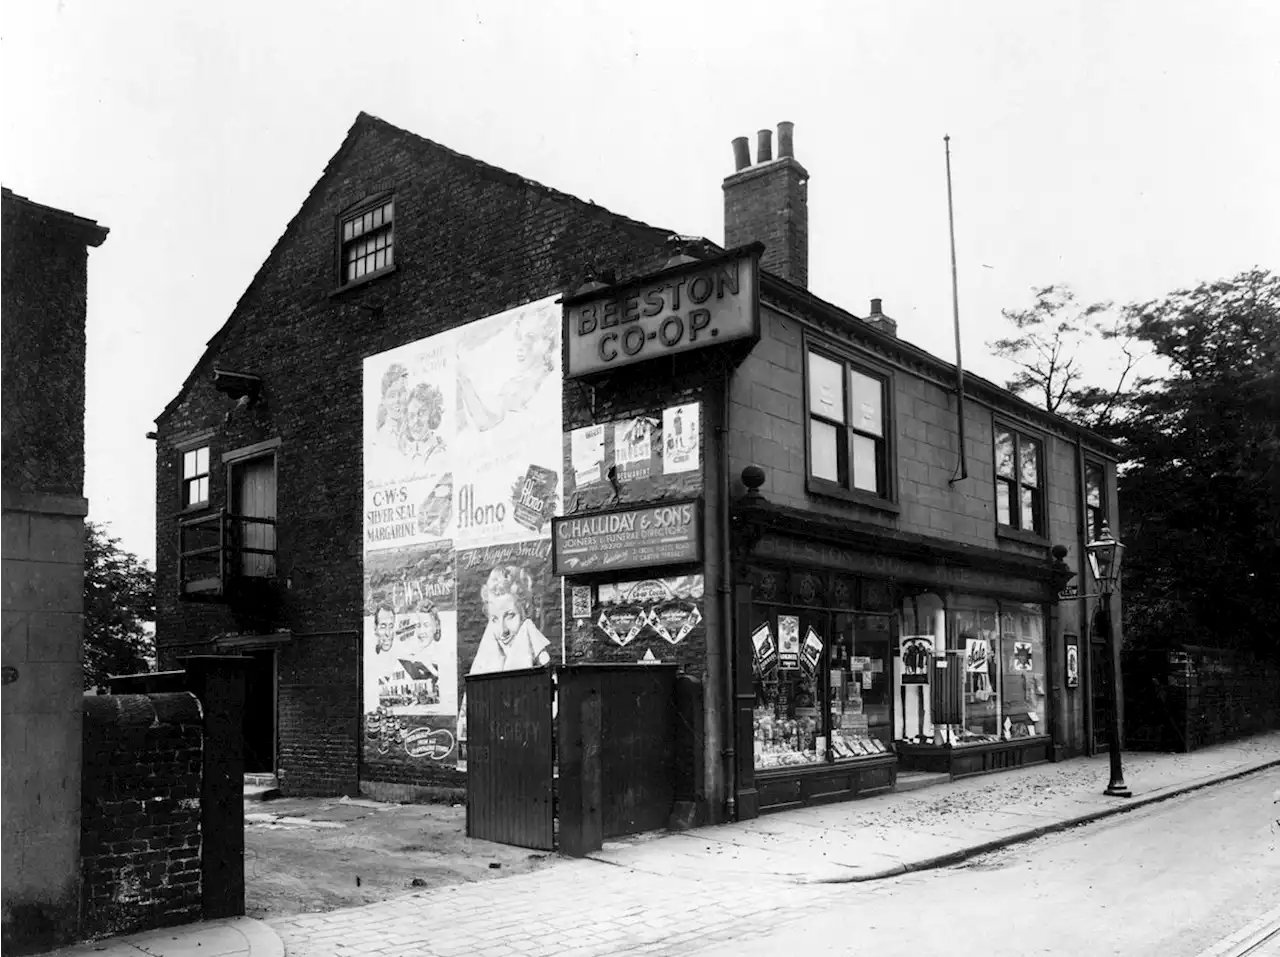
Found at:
<point>140,812</point>
<point>1183,701</point>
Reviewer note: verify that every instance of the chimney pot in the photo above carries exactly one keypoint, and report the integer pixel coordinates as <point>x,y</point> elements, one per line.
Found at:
<point>875,307</point>
<point>786,132</point>
<point>741,153</point>
<point>764,146</point>
<point>768,203</point>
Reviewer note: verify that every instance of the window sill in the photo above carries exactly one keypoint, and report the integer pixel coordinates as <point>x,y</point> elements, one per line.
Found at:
<point>1019,535</point>
<point>830,490</point>
<point>362,281</point>
<point>194,510</point>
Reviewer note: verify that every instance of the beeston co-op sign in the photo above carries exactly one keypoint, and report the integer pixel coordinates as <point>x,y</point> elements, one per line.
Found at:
<point>691,306</point>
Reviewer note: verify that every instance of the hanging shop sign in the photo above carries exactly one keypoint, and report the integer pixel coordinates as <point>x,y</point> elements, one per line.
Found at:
<point>687,307</point>
<point>667,534</point>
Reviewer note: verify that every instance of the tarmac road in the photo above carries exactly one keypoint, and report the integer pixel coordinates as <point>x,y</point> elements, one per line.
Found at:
<point>1170,880</point>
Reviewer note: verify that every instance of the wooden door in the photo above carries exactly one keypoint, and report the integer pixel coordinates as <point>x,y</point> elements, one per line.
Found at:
<point>253,509</point>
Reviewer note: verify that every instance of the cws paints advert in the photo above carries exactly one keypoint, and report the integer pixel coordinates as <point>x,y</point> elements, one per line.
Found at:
<point>462,465</point>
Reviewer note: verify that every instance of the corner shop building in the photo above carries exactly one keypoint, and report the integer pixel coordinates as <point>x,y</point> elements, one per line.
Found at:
<point>374,457</point>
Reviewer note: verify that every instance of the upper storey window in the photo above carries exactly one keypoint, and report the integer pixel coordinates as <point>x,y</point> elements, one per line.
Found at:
<point>367,240</point>
<point>848,433</point>
<point>1019,481</point>
<point>195,477</point>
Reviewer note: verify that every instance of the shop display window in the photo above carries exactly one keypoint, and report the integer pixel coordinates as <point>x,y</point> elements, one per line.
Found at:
<point>821,687</point>
<point>973,642</point>
<point>922,636</point>
<point>1023,694</point>
<point>970,672</point>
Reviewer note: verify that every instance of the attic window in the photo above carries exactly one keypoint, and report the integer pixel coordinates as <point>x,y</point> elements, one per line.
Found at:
<point>365,245</point>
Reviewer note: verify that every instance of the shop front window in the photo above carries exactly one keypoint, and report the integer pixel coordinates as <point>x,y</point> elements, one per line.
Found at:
<point>859,669</point>
<point>922,639</point>
<point>972,673</point>
<point>822,679</point>
<point>1023,668</point>
<point>974,641</point>
<point>787,724</point>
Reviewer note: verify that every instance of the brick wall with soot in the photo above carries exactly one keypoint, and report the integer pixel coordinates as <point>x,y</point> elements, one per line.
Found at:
<point>470,241</point>
<point>140,812</point>
<point>45,282</point>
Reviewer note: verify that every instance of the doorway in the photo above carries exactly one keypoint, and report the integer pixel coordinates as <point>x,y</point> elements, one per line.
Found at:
<point>253,508</point>
<point>1099,685</point>
<point>260,713</point>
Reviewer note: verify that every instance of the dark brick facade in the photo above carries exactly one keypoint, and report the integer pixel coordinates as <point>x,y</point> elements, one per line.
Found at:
<point>45,284</point>
<point>470,241</point>
<point>140,812</point>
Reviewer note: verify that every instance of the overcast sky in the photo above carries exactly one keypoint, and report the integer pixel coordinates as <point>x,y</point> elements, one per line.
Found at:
<point>1128,149</point>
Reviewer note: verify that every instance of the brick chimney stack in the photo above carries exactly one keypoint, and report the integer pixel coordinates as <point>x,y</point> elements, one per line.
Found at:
<point>769,203</point>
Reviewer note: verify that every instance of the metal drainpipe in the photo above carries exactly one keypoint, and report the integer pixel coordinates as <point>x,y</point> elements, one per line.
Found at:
<point>730,701</point>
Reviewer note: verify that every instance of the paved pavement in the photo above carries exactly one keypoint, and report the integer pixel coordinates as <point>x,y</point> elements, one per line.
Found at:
<point>674,893</point>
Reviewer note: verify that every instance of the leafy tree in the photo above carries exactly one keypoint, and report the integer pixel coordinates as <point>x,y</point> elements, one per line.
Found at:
<point>1060,348</point>
<point>1199,478</point>
<point>1200,490</point>
<point>119,600</point>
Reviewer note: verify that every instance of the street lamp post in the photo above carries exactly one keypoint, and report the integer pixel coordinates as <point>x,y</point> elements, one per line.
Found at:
<point>1105,555</point>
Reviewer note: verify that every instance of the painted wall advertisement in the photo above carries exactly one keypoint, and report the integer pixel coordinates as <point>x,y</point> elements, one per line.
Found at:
<point>462,462</point>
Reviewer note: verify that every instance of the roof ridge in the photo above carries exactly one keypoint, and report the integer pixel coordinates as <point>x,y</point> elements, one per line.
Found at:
<point>506,174</point>
<point>362,121</point>
<point>94,232</point>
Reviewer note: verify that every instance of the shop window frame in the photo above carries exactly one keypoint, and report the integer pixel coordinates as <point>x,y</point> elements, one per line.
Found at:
<point>1040,514</point>
<point>885,499</point>
<point>863,602</point>
<point>955,603</point>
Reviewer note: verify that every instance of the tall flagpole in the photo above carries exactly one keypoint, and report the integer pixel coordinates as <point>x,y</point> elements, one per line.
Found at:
<point>962,469</point>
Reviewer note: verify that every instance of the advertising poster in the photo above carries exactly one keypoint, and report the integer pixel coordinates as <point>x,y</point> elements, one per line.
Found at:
<point>462,459</point>
<point>1073,665</point>
<point>764,649</point>
<point>410,631</point>
<point>633,448</point>
<point>788,641</point>
<point>652,616</point>
<point>680,449</point>
<point>587,454</point>
<point>508,441</point>
<point>508,608</point>
<point>977,656</point>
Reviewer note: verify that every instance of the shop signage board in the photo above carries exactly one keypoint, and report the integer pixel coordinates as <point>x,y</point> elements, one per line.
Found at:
<point>665,534</point>
<point>802,552</point>
<point>687,307</point>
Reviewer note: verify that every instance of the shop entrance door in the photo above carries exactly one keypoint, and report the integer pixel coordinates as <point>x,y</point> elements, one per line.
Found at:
<point>1099,695</point>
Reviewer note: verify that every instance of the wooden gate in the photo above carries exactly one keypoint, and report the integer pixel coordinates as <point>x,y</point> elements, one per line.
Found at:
<point>617,740</point>
<point>606,765</point>
<point>510,758</point>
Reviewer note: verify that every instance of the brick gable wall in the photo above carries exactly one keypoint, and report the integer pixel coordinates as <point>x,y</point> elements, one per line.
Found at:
<point>470,241</point>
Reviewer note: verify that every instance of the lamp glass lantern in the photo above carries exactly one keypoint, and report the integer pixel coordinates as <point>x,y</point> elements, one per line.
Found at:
<point>1105,555</point>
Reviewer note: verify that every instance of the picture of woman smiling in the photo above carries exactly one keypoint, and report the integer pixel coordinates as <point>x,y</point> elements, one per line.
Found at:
<point>511,638</point>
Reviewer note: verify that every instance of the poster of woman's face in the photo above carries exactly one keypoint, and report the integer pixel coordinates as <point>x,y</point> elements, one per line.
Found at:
<point>508,605</point>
